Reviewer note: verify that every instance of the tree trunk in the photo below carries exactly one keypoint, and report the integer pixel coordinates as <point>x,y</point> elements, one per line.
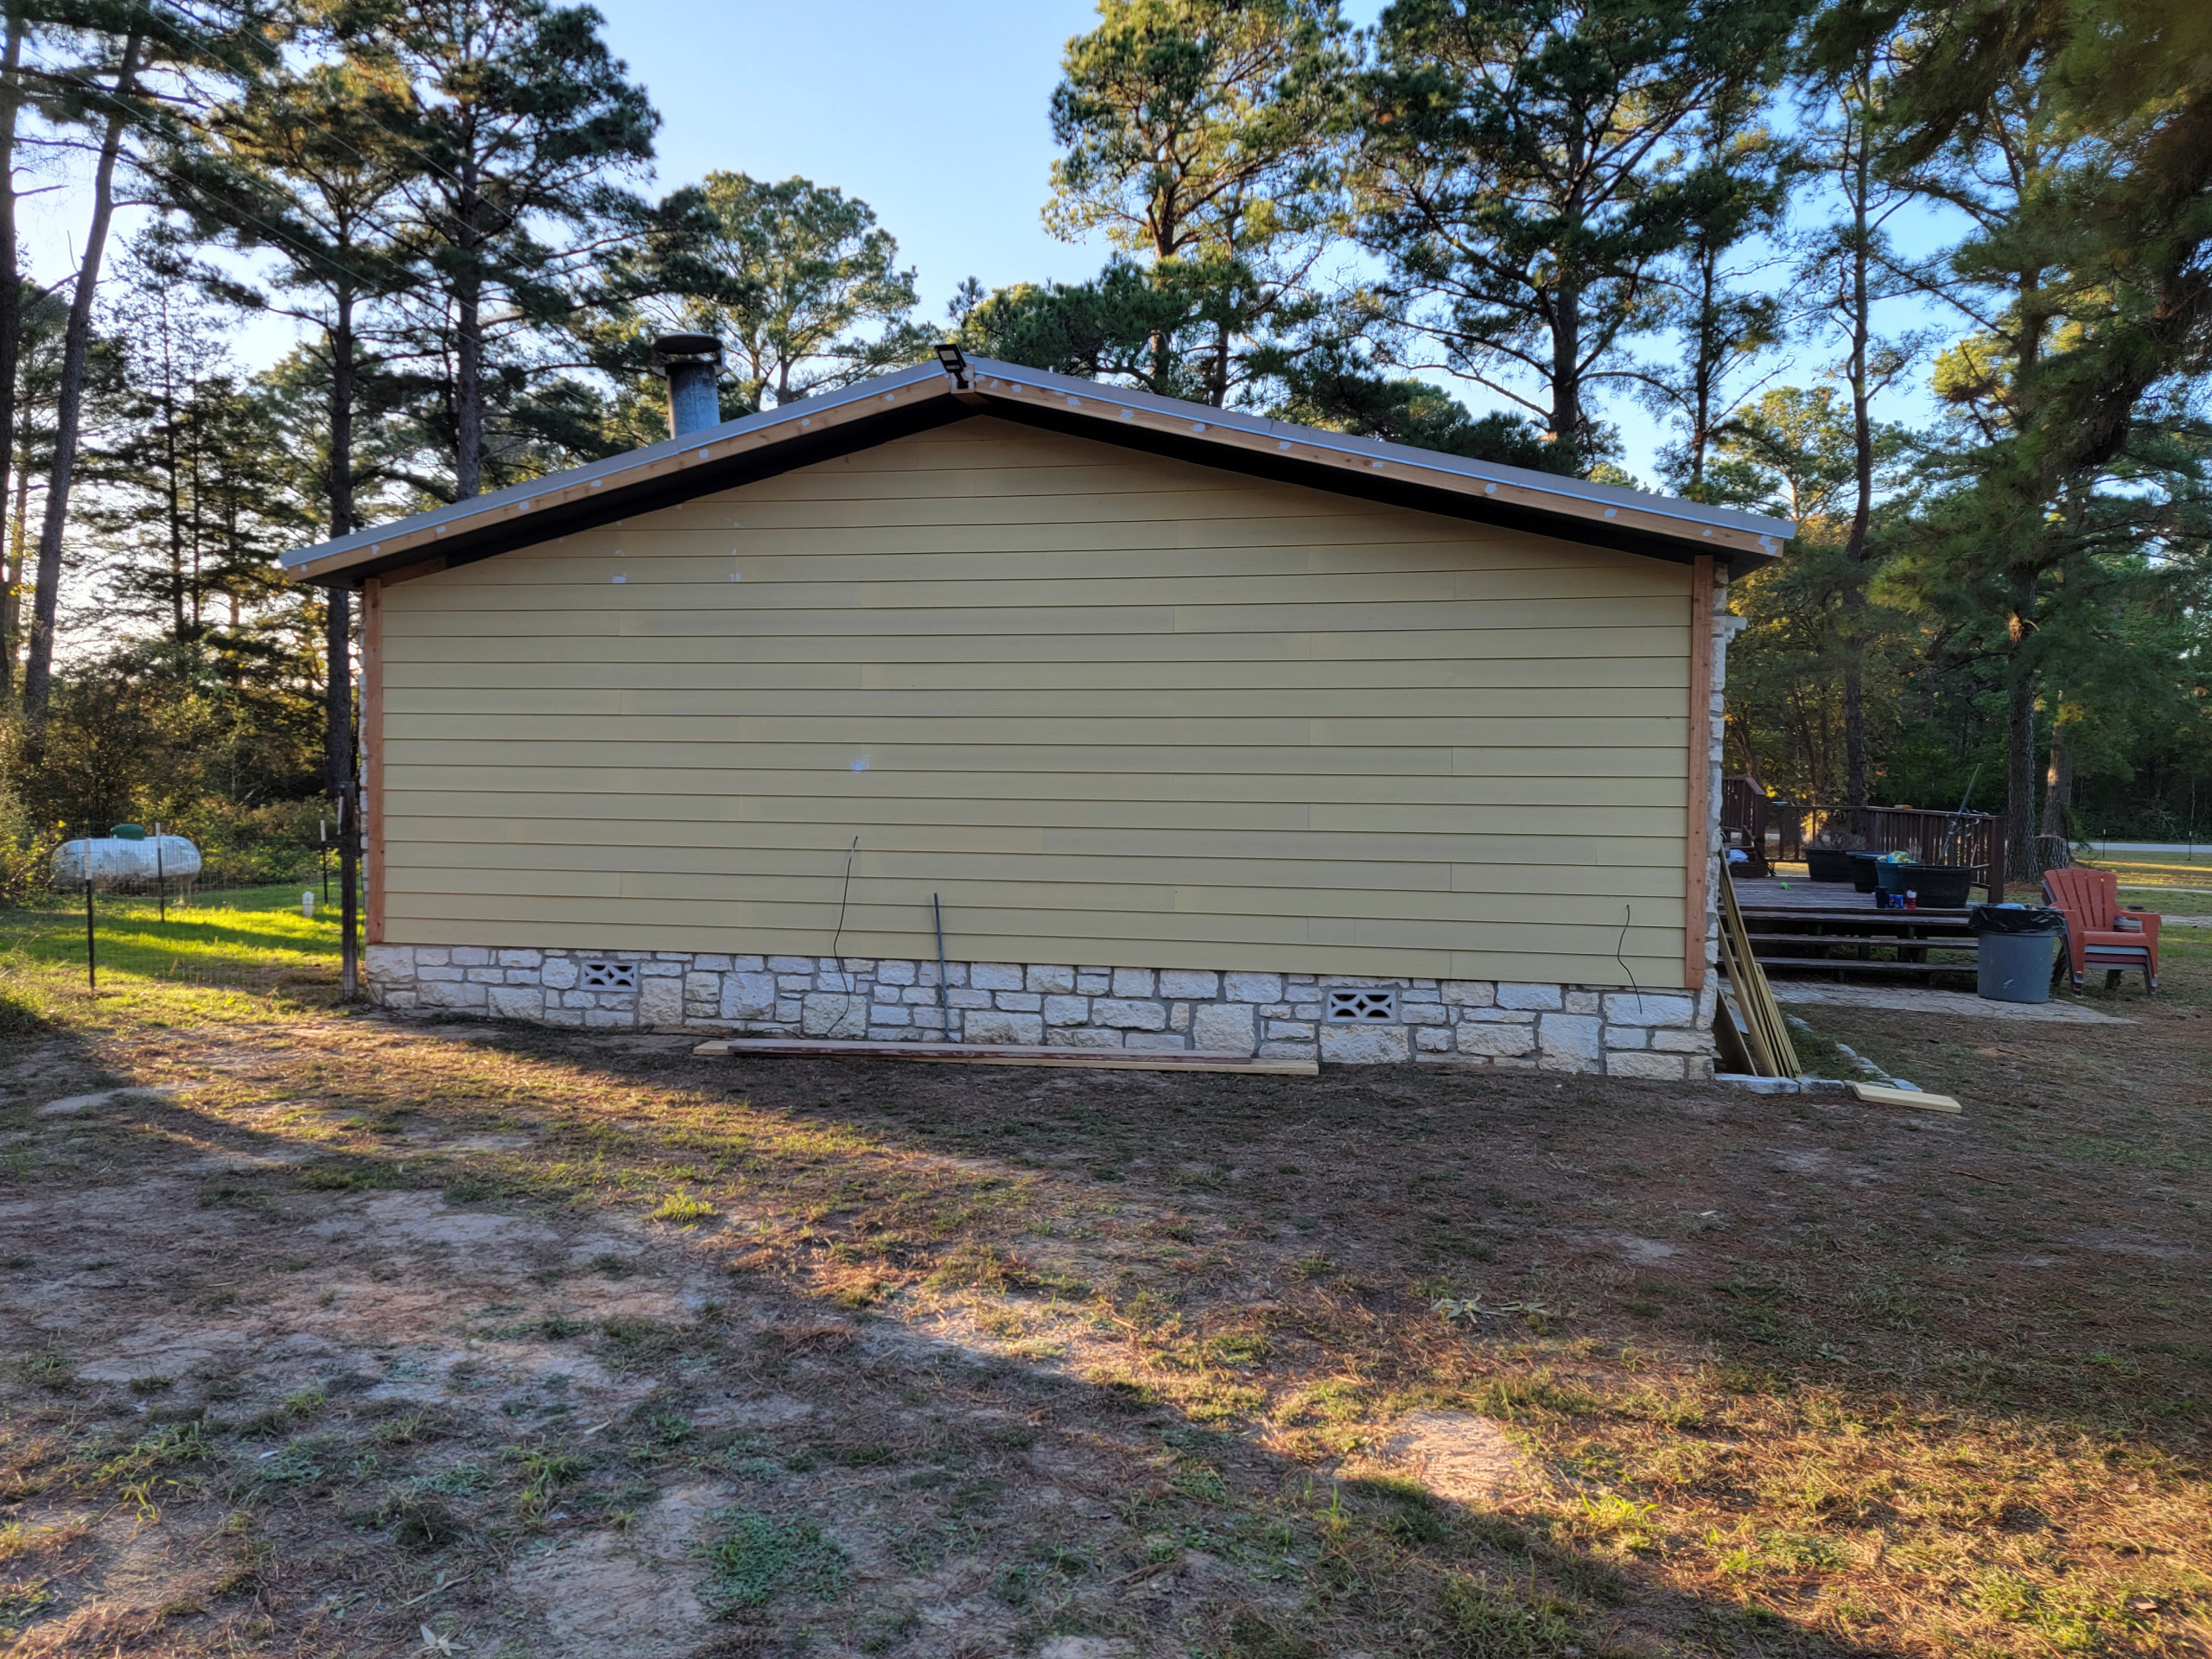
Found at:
<point>38,671</point>
<point>11,604</point>
<point>341,416</point>
<point>468,336</point>
<point>338,760</point>
<point>1566,372</point>
<point>2020,863</point>
<point>2058,785</point>
<point>1858,767</point>
<point>11,316</point>
<point>338,648</point>
<point>468,395</point>
<point>1704,373</point>
<point>1566,314</point>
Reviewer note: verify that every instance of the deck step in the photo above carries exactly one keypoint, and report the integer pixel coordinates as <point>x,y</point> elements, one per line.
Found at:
<point>1941,942</point>
<point>1855,965</point>
<point>1869,917</point>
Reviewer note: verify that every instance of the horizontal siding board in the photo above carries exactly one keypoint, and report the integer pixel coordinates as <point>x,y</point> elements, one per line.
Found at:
<point>1394,834</point>
<point>1283,866</point>
<point>1163,800</point>
<point>440,845</point>
<point>1214,717</point>
<point>694,608</point>
<point>1338,685</point>
<point>1105,935</point>
<point>1117,708</point>
<point>620,758</point>
<point>913,581</point>
<point>1147,733</point>
<point>552,639</point>
<point>1251,544</point>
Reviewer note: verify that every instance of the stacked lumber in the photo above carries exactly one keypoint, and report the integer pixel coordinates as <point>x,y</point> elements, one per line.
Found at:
<point>1748,999</point>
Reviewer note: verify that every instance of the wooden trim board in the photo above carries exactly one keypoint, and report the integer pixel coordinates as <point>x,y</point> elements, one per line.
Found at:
<point>1698,812</point>
<point>1096,1059</point>
<point>1875,1094</point>
<point>372,741</point>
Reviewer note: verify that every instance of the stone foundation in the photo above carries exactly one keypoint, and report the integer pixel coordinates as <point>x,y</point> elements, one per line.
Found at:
<point>1663,1035</point>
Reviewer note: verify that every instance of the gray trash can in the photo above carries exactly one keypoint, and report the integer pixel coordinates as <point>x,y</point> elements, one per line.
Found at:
<point>2019,944</point>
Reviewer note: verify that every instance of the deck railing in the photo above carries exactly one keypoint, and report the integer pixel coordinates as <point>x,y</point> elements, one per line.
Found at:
<point>1972,838</point>
<point>1775,830</point>
<point>1764,828</point>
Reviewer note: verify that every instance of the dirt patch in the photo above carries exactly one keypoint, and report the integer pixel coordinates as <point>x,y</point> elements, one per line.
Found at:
<point>1456,1455</point>
<point>611,1595</point>
<point>550,1346</point>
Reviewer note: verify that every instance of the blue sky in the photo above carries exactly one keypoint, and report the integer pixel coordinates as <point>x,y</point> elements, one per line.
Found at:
<point>935,114</point>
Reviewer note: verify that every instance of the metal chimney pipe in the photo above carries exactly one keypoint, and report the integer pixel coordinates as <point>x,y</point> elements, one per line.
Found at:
<point>690,364</point>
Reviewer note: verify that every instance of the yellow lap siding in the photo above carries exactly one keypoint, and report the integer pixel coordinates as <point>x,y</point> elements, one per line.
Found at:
<point>1118,709</point>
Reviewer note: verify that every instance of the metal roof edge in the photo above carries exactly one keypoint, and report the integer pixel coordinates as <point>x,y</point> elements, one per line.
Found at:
<point>1076,395</point>
<point>521,495</point>
<point>1436,460</point>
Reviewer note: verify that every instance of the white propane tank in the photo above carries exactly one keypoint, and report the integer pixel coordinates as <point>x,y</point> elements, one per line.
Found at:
<point>109,860</point>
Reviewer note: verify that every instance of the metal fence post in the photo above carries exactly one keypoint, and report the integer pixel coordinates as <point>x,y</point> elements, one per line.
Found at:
<point>91,940</point>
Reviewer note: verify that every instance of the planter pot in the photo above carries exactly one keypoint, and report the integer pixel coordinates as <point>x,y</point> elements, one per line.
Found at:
<point>1941,886</point>
<point>1823,864</point>
<point>1890,878</point>
<point>1865,867</point>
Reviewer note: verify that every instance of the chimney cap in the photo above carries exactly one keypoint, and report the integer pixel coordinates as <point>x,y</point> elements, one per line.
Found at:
<point>670,349</point>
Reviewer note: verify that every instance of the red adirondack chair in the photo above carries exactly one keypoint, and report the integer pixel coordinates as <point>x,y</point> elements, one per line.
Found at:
<point>2098,932</point>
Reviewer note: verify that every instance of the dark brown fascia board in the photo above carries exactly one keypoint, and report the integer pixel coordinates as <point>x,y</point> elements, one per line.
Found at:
<point>1603,514</point>
<point>893,405</point>
<point>662,475</point>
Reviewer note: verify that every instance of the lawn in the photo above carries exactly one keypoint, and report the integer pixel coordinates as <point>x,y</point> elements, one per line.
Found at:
<point>372,1338</point>
<point>2175,883</point>
<point>255,938</point>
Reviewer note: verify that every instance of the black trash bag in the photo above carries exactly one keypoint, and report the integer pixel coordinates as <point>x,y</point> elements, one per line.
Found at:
<point>2015,918</point>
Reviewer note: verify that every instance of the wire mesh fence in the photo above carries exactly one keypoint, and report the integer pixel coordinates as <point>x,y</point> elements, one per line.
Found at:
<point>151,901</point>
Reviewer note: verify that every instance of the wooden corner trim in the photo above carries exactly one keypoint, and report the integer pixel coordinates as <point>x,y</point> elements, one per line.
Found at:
<point>373,750</point>
<point>1698,851</point>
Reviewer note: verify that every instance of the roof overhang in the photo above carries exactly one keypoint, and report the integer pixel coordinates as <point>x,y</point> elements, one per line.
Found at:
<point>912,400</point>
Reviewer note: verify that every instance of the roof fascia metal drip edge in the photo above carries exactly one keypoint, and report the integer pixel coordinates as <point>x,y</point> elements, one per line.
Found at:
<point>1324,459</point>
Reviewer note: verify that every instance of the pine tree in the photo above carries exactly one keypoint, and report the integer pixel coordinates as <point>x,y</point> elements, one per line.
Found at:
<point>1848,269</point>
<point>783,275</point>
<point>1202,135</point>
<point>1733,192</point>
<point>303,169</point>
<point>519,122</point>
<point>1517,171</point>
<point>139,70</point>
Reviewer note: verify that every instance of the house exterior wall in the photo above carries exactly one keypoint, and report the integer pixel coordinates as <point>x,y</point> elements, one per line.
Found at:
<point>1114,709</point>
<point>1661,1036</point>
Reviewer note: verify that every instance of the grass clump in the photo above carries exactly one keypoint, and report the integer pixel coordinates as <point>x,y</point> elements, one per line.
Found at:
<point>683,1210</point>
<point>756,1556</point>
<point>22,1010</point>
<point>1481,1623</point>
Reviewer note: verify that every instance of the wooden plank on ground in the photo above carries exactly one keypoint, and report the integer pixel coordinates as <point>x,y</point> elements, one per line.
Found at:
<point>1005,1054</point>
<point>1879,1095</point>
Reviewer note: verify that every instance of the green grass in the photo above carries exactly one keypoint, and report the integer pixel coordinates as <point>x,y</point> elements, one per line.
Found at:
<point>252,937</point>
<point>757,1556</point>
<point>2170,882</point>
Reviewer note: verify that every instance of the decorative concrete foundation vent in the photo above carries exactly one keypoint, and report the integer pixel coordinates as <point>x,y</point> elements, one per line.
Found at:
<point>609,975</point>
<point>1362,1007</point>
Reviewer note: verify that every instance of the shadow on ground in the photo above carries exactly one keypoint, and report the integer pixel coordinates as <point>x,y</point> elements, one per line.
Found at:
<point>374,1335</point>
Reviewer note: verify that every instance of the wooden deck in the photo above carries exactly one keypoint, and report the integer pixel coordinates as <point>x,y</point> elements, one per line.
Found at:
<point>1804,929</point>
<point>1790,890</point>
